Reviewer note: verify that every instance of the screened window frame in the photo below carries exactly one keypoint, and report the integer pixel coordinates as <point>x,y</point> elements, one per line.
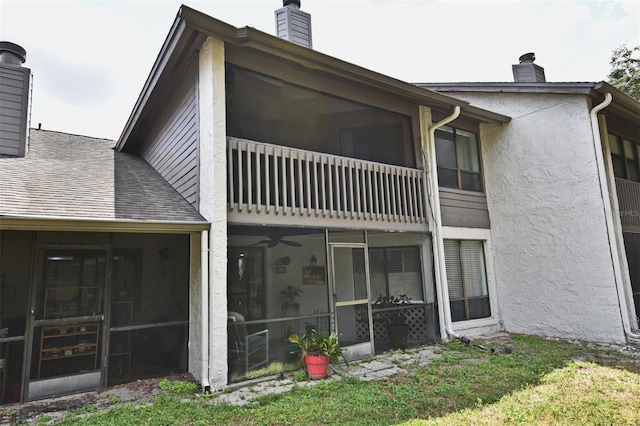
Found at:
<point>618,142</point>
<point>388,269</point>
<point>458,169</point>
<point>465,289</point>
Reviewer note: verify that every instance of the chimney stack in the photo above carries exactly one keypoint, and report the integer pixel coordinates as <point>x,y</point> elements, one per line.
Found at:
<point>15,97</point>
<point>526,71</point>
<point>293,24</point>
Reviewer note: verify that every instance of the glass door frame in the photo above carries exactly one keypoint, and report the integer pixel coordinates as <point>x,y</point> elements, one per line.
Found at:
<point>33,322</point>
<point>359,350</point>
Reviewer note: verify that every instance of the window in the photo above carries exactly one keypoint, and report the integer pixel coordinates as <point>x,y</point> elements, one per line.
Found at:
<point>395,271</point>
<point>467,280</point>
<point>624,156</point>
<point>458,158</point>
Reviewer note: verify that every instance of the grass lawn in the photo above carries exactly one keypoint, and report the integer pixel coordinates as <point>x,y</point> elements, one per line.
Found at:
<point>540,382</point>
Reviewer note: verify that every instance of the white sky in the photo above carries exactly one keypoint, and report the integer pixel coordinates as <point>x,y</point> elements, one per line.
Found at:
<point>90,59</point>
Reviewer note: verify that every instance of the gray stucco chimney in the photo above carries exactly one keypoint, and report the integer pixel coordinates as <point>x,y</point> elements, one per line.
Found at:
<point>293,24</point>
<point>526,71</point>
<point>15,96</point>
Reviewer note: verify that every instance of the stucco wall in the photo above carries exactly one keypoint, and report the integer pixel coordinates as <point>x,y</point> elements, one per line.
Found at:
<point>553,267</point>
<point>213,201</point>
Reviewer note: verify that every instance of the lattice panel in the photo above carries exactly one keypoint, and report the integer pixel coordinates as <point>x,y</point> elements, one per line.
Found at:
<point>418,331</point>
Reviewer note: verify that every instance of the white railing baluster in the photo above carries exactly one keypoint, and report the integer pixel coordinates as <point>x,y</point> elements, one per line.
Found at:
<point>370,174</point>
<point>355,176</point>
<point>259,151</point>
<point>405,198</point>
<point>376,195</point>
<point>345,205</point>
<point>330,186</point>
<point>388,193</point>
<point>233,144</point>
<point>240,180</point>
<point>249,178</point>
<point>315,163</point>
<point>292,180</point>
<point>268,153</point>
<point>276,175</point>
<point>300,190</point>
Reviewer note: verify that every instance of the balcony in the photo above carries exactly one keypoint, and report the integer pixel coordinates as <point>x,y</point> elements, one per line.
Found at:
<point>281,185</point>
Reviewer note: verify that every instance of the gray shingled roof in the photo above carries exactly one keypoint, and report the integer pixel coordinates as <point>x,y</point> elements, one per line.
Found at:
<point>76,177</point>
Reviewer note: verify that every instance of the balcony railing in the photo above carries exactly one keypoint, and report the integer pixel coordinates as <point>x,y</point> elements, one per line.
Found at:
<point>628,201</point>
<point>271,179</point>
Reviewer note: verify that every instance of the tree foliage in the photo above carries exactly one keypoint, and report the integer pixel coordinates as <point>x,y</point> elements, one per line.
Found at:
<point>625,70</point>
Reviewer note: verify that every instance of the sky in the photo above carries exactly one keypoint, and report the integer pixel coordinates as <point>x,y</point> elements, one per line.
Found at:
<point>90,59</point>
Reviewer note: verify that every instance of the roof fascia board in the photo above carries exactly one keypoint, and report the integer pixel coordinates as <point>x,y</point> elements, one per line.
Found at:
<point>177,29</point>
<point>559,88</point>
<point>207,25</point>
<point>36,223</point>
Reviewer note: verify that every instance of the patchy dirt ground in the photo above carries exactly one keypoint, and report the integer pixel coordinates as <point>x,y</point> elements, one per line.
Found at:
<point>103,399</point>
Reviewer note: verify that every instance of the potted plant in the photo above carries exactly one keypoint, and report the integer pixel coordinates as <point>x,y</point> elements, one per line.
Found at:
<point>290,294</point>
<point>396,319</point>
<point>318,350</point>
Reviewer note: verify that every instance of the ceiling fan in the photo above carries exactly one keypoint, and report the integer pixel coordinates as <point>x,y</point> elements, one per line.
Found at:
<point>273,240</point>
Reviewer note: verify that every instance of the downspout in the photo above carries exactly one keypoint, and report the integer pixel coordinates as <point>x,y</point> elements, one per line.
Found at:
<point>615,255</point>
<point>204,315</point>
<point>442,288</point>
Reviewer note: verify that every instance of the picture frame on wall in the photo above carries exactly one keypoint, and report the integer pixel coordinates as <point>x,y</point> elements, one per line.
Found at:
<point>313,275</point>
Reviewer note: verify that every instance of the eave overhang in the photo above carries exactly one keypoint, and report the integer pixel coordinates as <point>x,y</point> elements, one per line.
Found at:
<point>623,105</point>
<point>78,224</point>
<point>191,28</point>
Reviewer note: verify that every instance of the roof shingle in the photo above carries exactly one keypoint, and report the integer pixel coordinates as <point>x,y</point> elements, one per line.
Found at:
<point>77,177</point>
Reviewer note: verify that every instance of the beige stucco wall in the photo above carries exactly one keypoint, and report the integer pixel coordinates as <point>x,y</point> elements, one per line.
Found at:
<point>554,273</point>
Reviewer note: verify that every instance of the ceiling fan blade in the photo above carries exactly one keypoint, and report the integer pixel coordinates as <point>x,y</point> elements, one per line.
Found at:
<point>272,243</point>
<point>291,243</point>
<point>261,242</point>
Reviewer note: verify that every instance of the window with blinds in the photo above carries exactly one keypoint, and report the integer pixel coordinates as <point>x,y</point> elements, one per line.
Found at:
<point>467,280</point>
<point>394,271</point>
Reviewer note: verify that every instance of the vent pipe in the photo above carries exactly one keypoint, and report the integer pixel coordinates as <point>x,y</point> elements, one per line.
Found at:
<point>11,53</point>
<point>528,72</point>
<point>293,24</point>
<point>15,97</point>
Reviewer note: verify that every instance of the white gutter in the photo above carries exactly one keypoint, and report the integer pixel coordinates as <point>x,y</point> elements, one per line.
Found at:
<point>442,289</point>
<point>608,216</point>
<point>204,300</point>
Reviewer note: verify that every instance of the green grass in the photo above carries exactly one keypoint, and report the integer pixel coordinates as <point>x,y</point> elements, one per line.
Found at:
<point>542,381</point>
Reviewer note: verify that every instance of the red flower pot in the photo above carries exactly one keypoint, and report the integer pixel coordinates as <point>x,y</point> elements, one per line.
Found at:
<point>317,366</point>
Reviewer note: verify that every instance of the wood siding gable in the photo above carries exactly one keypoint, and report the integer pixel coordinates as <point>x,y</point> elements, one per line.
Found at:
<point>172,144</point>
<point>464,208</point>
<point>15,84</point>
